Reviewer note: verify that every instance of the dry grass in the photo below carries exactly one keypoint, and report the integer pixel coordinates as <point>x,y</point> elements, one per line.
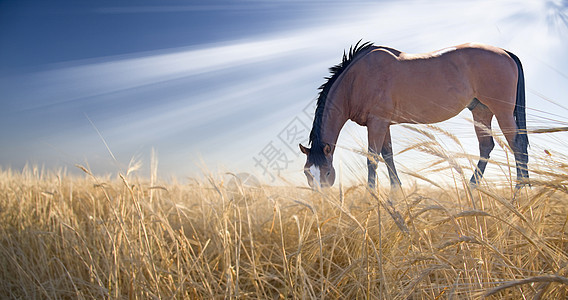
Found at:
<point>90,237</point>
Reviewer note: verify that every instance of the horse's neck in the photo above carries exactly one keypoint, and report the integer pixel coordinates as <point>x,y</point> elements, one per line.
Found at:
<point>334,117</point>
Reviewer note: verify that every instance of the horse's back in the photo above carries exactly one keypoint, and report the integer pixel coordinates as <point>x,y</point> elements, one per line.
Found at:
<point>445,81</point>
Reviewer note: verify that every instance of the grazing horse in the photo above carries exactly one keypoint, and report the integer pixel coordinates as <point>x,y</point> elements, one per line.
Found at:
<point>377,86</point>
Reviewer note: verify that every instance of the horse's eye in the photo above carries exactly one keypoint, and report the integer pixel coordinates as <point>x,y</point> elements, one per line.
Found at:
<point>329,172</point>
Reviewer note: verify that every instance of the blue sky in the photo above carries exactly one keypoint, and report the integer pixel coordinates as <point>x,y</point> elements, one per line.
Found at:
<point>228,85</point>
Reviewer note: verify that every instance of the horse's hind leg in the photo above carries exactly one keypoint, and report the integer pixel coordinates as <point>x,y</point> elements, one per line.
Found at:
<point>482,117</point>
<point>372,158</point>
<point>509,129</point>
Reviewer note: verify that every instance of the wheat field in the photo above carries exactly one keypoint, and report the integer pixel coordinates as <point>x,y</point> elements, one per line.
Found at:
<point>120,237</point>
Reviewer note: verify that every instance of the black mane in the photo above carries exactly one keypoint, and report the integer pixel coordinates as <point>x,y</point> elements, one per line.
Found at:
<point>316,153</point>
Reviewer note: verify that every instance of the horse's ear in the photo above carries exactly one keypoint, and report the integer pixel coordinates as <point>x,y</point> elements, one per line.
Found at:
<point>304,150</point>
<point>327,149</point>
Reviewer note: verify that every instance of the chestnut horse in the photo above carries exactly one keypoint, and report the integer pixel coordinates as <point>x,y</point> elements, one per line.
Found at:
<point>377,86</point>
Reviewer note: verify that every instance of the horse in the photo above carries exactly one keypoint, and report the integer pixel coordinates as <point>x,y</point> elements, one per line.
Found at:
<point>377,86</point>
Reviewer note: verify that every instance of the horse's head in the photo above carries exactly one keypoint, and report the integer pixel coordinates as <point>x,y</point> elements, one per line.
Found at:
<point>319,166</point>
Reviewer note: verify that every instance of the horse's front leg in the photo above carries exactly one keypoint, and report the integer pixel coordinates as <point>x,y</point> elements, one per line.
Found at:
<point>376,129</point>
<point>389,160</point>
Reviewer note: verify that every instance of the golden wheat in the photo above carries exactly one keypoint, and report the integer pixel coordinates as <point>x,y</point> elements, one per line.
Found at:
<point>92,237</point>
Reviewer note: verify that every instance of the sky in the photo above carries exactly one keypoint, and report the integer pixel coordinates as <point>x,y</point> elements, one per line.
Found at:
<point>229,86</point>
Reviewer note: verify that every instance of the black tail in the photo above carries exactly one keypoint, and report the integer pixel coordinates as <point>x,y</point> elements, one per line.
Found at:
<point>522,139</point>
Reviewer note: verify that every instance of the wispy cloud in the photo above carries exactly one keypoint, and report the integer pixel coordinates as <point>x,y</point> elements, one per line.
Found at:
<point>91,78</point>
